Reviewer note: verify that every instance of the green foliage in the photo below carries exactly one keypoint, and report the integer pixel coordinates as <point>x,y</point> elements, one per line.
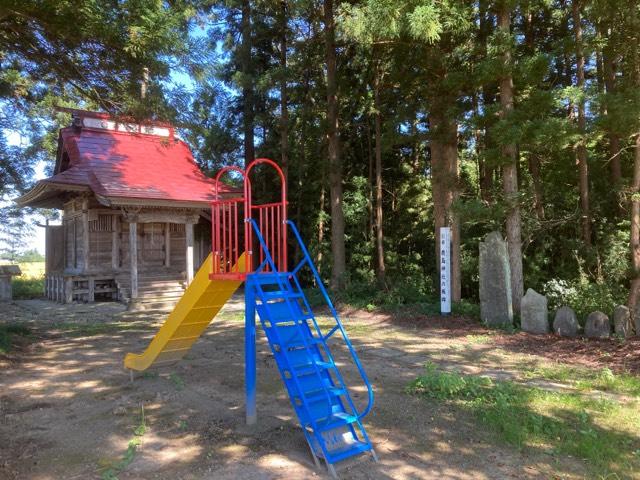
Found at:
<point>14,230</point>
<point>583,296</point>
<point>26,288</point>
<point>562,423</point>
<point>94,328</point>
<point>400,291</point>
<point>177,380</point>
<point>586,379</point>
<point>8,332</point>
<point>30,256</point>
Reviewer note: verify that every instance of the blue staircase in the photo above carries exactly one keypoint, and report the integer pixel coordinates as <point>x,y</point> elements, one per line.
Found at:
<point>326,412</point>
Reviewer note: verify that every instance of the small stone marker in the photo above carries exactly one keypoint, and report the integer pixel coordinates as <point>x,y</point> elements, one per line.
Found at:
<point>597,325</point>
<point>534,317</point>
<point>6,272</point>
<point>496,307</point>
<point>622,324</point>
<point>565,323</point>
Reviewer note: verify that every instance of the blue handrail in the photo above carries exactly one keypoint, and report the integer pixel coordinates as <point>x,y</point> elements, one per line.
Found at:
<point>318,279</point>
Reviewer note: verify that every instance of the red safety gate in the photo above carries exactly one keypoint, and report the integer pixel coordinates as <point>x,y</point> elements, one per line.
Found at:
<point>231,227</point>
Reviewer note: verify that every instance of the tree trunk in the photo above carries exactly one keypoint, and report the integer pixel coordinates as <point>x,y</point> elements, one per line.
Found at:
<point>284,109</point>
<point>415,145</point>
<point>477,140</point>
<point>534,170</point>
<point>320,229</point>
<point>380,266</point>
<point>534,160</point>
<point>338,269</point>
<point>488,99</point>
<point>247,86</point>
<point>581,149</point>
<point>444,181</point>
<point>370,157</point>
<point>509,170</point>
<point>609,71</point>
<point>634,292</point>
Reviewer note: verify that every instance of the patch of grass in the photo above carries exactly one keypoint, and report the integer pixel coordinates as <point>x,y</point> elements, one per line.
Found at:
<point>231,316</point>
<point>479,339</point>
<point>8,332</point>
<point>132,447</point>
<point>603,433</point>
<point>26,288</point>
<point>90,329</point>
<point>586,379</point>
<point>177,381</point>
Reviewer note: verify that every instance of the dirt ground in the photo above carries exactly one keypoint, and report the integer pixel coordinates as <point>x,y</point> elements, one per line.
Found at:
<point>68,409</point>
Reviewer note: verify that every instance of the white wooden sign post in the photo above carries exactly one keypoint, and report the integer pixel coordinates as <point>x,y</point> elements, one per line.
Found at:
<point>445,270</point>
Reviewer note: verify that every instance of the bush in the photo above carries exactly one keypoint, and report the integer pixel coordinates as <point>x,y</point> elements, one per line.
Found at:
<point>584,297</point>
<point>26,288</point>
<point>408,291</point>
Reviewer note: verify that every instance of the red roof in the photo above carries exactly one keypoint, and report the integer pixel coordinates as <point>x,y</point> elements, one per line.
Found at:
<point>123,167</point>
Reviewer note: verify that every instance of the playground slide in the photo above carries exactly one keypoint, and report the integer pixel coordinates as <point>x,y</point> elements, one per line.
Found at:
<point>200,303</point>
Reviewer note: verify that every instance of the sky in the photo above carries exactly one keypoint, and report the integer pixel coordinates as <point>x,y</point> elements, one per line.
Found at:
<point>36,240</point>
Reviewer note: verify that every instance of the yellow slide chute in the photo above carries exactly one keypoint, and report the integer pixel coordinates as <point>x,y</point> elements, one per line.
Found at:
<point>200,303</point>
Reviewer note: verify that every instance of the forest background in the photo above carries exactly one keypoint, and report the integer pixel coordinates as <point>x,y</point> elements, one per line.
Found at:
<point>390,118</point>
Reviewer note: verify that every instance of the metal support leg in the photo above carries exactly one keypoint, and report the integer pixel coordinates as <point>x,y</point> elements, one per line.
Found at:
<point>332,470</point>
<point>315,457</point>
<point>250,352</point>
<point>374,455</point>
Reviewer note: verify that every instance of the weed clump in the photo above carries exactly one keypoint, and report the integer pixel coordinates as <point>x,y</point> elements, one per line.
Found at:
<point>600,431</point>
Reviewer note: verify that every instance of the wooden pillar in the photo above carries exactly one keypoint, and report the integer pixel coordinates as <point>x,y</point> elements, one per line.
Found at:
<point>115,242</point>
<point>167,244</point>
<point>91,295</point>
<point>85,235</point>
<point>189,250</point>
<point>133,254</point>
<point>68,290</point>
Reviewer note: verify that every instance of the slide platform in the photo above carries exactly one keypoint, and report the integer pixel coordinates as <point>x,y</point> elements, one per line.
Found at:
<point>193,313</point>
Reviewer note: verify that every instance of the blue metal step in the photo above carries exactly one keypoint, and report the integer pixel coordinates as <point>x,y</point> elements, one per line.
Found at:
<point>349,450</point>
<point>291,336</point>
<point>336,420</point>
<point>283,312</point>
<point>307,368</point>
<point>272,278</point>
<point>299,343</point>
<point>281,294</point>
<point>320,394</point>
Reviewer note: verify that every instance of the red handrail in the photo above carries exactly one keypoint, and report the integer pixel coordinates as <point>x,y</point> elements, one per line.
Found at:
<point>272,218</point>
